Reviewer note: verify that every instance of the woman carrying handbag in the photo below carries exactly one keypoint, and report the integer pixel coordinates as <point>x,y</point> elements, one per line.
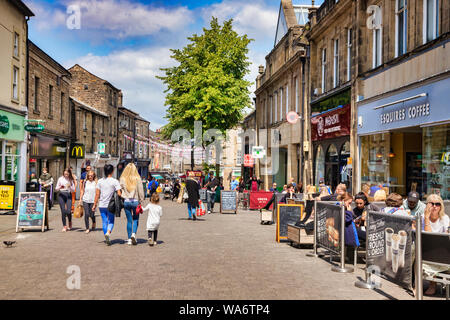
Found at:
<point>105,190</point>
<point>133,193</point>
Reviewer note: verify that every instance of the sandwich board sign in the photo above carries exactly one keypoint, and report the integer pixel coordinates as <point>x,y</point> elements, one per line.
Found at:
<point>32,212</point>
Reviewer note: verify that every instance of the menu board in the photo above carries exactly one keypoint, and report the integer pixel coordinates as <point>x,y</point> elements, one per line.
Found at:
<point>32,211</point>
<point>7,190</point>
<point>228,201</point>
<point>328,226</point>
<point>287,214</point>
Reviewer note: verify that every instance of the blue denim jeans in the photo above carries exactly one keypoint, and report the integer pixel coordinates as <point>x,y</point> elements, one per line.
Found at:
<point>132,217</point>
<point>107,220</point>
<point>191,210</point>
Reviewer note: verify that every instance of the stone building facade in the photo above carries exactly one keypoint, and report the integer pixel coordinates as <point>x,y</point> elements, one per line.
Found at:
<point>14,16</point>
<point>101,96</point>
<point>48,92</point>
<point>281,88</point>
<point>143,145</point>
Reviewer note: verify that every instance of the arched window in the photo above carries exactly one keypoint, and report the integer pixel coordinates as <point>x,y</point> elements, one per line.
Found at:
<point>332,154</point>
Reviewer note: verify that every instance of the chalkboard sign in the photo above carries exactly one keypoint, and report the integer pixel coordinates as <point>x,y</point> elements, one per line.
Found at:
<point>287,214</point>
<point>202,193</point>
<point>32,211</point>
<point>328,217</point>
<point>228,201</point>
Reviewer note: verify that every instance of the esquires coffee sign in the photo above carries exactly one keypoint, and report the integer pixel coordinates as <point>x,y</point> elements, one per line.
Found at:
<point>332,124</point>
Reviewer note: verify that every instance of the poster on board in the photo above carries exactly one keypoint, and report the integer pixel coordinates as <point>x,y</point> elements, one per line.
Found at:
<point>32,211</point>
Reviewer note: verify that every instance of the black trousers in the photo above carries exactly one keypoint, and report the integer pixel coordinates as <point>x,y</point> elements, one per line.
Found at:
<point>65,203</point>
<point>153,235</point>
<point>88,213</point>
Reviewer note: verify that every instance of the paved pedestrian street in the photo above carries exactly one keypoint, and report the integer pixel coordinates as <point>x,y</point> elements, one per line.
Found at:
<point>219,256</point>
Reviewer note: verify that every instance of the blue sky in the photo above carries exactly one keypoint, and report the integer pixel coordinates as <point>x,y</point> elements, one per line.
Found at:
<point>127,41</point>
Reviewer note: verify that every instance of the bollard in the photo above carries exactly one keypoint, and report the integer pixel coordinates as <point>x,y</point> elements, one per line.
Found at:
<point>419,272</point>
<point>342,268</point>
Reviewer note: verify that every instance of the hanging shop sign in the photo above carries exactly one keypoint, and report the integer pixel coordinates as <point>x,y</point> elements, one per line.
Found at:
<point>31,127</point>
<point>101,148</point>
<point>43,146</point>
<point>248,160</point>
<point>258,152</point>
<point>331,124</point>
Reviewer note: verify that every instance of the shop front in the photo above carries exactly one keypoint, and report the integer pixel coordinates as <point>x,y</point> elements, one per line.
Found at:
<point>13,150</point>
<point>330,134</point>
<point>49,152</point>
<point>404,140</point>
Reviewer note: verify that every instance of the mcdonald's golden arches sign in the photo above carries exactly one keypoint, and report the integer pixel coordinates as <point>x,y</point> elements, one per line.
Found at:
<point>77,151</point>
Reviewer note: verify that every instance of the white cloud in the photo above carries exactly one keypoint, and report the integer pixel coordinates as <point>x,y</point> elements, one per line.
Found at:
<point>134,71</point>
<point>113,19</point>
<point>255,19</point>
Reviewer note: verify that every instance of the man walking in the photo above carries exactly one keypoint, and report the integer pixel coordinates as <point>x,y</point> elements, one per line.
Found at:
<point>211,187</point>
<point>234,184</point>
<point>152,186</point>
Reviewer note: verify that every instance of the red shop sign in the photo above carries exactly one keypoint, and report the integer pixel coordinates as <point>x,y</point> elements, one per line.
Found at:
<point>333,124</point>
<point>258,199</point>
<point>248,160</point>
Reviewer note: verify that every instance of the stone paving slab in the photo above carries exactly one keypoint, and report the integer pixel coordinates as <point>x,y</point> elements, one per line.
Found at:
<point>220,256</point>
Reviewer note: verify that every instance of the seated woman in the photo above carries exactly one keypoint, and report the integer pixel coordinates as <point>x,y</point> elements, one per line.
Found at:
<point>341,189</point>
<point>394,205</point>
<point>360,214</point>
<point>351,236</point>
<point>380,196</point>
<point>434,220</point>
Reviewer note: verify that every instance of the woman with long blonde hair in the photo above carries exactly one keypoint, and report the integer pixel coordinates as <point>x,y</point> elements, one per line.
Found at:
<point>132,192</point>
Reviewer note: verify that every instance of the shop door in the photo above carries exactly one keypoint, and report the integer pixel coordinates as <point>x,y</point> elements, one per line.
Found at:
<point>332,173</point>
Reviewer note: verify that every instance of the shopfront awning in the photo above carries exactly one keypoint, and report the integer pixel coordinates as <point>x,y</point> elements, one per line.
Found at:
<point>157,177</point>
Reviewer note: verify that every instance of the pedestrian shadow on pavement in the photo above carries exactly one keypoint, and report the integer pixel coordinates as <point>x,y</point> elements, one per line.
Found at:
<point>198,219</point>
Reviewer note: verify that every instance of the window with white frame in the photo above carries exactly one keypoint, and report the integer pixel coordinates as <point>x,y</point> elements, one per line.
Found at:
<point>270,110</point>
<point>275,98</point>
<point>377,54</point>
<point>15,92</point>
<point>16,45</point>
<point>282,105</point>
<point>336,63</point>
<point>349,53</point>
<point>400,27</point>
<point>287,99</point>
<point>296,93</point>
<point>324,70</point>
<point>430,20</point>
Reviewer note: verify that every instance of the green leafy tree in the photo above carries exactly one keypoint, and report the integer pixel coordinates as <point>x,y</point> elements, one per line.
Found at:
<point>208,83</point>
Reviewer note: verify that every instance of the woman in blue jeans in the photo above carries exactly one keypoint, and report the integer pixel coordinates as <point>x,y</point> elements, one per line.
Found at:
<point>133,193</point>
<point>104,192</point>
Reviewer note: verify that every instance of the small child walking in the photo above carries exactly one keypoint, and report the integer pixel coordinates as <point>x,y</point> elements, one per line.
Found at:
<point>153,219</point>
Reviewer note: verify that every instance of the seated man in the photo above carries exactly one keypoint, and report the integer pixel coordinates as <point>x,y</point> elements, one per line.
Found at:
<point>394,205</point>
<point>414,204</point>
<point>274,187</point>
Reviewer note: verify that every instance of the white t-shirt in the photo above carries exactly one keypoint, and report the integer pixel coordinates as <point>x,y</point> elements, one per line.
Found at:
<point>107,187</point>
<point>89,191</point>
<point>154,216</point>
<point>440,225</point>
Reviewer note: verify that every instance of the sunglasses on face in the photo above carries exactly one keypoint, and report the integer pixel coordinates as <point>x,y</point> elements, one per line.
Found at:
<point>435,204</point>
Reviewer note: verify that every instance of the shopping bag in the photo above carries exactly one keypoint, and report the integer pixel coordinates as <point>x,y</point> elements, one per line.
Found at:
<point>201,210</point>
<point>158,190</point>
<point>78,211</point>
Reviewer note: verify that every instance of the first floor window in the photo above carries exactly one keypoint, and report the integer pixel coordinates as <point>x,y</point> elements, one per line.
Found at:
<point>15,83</point>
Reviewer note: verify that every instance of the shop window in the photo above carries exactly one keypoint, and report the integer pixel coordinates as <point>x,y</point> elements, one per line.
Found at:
<point>436,160</point>
<point>374,159</point>
<point>320,165</point>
